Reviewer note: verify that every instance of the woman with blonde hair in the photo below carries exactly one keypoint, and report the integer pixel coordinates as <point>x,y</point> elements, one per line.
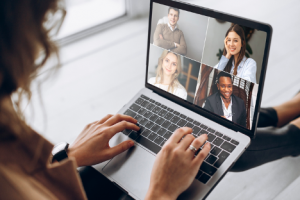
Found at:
<point>233,59</point>
<point>167,72</point>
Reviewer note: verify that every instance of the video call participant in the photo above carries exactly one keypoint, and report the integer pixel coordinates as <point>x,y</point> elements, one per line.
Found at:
<point>168,36</point>
<point>233,59</point>
<point>167,72</point>
<point>226,104</point>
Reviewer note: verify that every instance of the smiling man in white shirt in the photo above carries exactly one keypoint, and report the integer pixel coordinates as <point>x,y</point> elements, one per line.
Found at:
<point>226,104</point>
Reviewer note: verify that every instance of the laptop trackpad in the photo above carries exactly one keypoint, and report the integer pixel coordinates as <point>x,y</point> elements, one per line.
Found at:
<point>132,170</point>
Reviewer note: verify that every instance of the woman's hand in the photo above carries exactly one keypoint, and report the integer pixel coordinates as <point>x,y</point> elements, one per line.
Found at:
<point>92,147</point>
<point>228,55</point>
<point>176,166</point>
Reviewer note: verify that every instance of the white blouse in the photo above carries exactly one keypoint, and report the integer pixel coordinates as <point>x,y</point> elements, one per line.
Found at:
<point>178,91</point>
<point>246,69</point>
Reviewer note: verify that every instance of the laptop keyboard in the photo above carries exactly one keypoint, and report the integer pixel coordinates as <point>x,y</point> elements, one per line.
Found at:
<point>157,124</point>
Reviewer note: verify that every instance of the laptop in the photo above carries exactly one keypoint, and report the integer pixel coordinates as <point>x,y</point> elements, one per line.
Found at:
<point>187,63</point>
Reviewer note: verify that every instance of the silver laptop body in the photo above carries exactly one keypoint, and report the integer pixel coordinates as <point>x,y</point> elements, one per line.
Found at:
<point>131,170</point>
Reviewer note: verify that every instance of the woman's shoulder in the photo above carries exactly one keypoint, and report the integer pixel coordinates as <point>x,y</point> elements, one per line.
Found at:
<point>249,61</point>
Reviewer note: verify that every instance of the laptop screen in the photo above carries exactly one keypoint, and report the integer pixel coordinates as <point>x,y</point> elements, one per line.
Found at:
<point>208,62</point>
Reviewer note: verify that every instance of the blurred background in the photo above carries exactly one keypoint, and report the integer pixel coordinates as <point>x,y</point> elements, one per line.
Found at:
<point>103,60</point>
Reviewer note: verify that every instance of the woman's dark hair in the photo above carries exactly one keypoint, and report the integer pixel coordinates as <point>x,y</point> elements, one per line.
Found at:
<point>23,37</point>
<point>238,30</point>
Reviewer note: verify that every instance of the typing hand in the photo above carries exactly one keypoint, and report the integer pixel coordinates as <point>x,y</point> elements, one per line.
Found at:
<point>92,145</point>
<point>176,165</point>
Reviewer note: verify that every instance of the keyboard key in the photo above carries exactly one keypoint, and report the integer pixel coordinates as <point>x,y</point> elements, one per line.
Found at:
<point>197,123</point>
<point>211,137</point>
<point>196,130</point>
<point>219,134</point>
<point>168,134</point>
<point>163,106</point>
<point>127,131</point>
<point>142,111</point>
<point>176,113</point>
<point>168,109</point>
<point>135,107</point>
<point>182,116</point>
<point>222,157</point>
<point>139,101</point>
<point>234,142</point>
<point>181,123</point>
<point>133,135</point>
<point>158,104</point>
<point>203,126</point>
<point>189,120</point>
<point>227,146</point>
<point>172,128</point>
<point>130,113</point>
<point>160,120</point>
<point>203,132</point>
<point>161,131</point>
<point>211,159</point>
<point>149,124</point>
<point>155,128</point>
<point>189,125</point>
<point>156,110</point>
<point>148,144</point>
<point>138,118</point>
<point>158,140</point>
<point>147,114</point>
<point>168,116</point>
<point>153,117</point>
<point>145,104</point>
<point>226,138</point>
<point>143,121</point>
<point>166,124</point>
<point>199,174</point>
<point>146,133</point>
<point>208,168</point>
<point>151,100</point>
<point>175,119</point>
<point>150,106</point>
<point>143,96</point>
<point>152,136</point>
<point>204,178</point>
<point>218,141</point>
<point>215,151</point>
<point>162,113</point>
<point>171,110</point>
<point>211,130</point>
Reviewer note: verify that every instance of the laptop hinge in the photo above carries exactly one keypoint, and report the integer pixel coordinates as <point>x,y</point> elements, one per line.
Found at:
<point>122,189</point>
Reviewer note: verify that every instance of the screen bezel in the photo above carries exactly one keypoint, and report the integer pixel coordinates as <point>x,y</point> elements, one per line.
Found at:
<point>225,17</point>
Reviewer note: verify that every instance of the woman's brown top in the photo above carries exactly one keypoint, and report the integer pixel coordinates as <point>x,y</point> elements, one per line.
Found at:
<point>26,171</point>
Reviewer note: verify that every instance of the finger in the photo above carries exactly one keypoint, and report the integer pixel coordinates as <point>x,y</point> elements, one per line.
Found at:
<point>202,155</point>
<point>120,126</point>
<point>104,119</point>
<point>186,141</point>
<point>197,143</point>
<point>118,118</point>
<point>179,133</point>
<point>120,148</point>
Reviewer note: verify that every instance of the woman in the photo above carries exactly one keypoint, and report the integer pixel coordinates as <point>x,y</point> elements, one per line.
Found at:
<point>26,170</point>
<point>233,59</point>
<point>167,72</point>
